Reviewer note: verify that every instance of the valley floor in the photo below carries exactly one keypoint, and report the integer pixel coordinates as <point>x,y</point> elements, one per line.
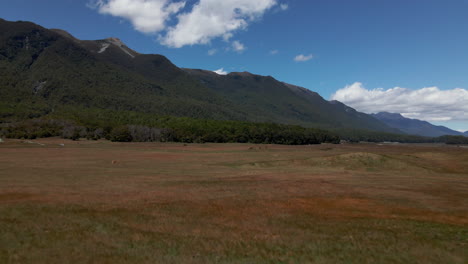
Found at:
<point>103,202</point>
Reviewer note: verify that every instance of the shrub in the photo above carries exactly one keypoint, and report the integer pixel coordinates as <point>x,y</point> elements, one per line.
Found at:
<point>120,134</point>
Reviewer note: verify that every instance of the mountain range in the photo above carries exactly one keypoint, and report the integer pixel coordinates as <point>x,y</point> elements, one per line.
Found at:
<point>415,126</point>
<point>48,71</point>
<point>44,71</point>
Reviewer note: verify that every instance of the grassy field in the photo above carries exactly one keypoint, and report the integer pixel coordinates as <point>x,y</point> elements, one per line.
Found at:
<point>102,202</point>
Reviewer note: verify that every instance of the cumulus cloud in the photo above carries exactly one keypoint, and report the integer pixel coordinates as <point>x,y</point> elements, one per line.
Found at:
<point>302,57</point>
<point>210,19</point>
<point>238,46</point>
<point>147,16</point>
<point>430,103</point>
<point>274,52</point>
<point>181,22</point>
<point>213,18</point>
<point>221,71</point>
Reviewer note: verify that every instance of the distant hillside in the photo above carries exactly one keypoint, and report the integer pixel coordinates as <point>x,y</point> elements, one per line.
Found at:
<point>414,126</point>
<point>44,72</point>
<point>275,101</point>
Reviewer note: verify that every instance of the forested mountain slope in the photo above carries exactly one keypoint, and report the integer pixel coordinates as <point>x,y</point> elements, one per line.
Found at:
<point>45,72</point>
<point>275,101</point>
<point>42,70</point>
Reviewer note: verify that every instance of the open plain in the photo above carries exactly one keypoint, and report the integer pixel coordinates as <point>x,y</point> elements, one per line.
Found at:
<point>101,202</point>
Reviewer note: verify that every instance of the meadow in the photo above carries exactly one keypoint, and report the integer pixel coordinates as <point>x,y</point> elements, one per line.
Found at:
<point>64,201</point>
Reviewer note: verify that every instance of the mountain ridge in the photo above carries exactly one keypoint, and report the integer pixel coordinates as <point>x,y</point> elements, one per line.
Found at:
<point>260,93</point>
<point>44,70</point>
<point>414,126</point>
<point>74,73</point>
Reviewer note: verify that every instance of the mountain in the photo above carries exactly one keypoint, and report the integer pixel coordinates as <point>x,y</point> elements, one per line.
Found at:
<point>44,72</point>
<point>465,134</point>
<point>414,126</point>
<point>275,101</point>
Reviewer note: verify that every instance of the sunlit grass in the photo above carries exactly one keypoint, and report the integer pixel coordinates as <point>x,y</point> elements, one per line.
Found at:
<point>104,202</point>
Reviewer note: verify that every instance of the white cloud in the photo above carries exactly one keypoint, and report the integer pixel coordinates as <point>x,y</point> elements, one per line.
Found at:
<point>210,19</point>
<point>212,52</point>
<point>221,71</point>
<point>284,7</point>
<point>147,16</point>
<point>430,103</point>
<point>302,57</point>
<point>227,36</point>
<point>206,20</point>
<point>238,47</point>
<point>274,52</point>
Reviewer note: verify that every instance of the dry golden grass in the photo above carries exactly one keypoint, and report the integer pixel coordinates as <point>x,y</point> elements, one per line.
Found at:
<point>103,202</point>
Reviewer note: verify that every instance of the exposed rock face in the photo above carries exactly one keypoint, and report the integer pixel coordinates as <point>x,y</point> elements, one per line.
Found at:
<point>117,42</point>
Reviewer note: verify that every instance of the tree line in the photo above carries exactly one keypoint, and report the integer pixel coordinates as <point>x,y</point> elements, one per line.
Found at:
<point>129,126</point>
<point>175,130</point>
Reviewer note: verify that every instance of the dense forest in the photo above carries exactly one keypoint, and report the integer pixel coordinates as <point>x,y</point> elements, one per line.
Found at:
<point>132,126</point>
<point>127,126</point>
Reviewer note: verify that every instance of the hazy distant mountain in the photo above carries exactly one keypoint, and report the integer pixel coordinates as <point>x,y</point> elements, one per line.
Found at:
<point>49,71</point>
<point>414,126</point>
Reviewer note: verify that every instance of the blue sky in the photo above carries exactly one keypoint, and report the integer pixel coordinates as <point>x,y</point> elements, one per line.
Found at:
<point>375,55</point>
